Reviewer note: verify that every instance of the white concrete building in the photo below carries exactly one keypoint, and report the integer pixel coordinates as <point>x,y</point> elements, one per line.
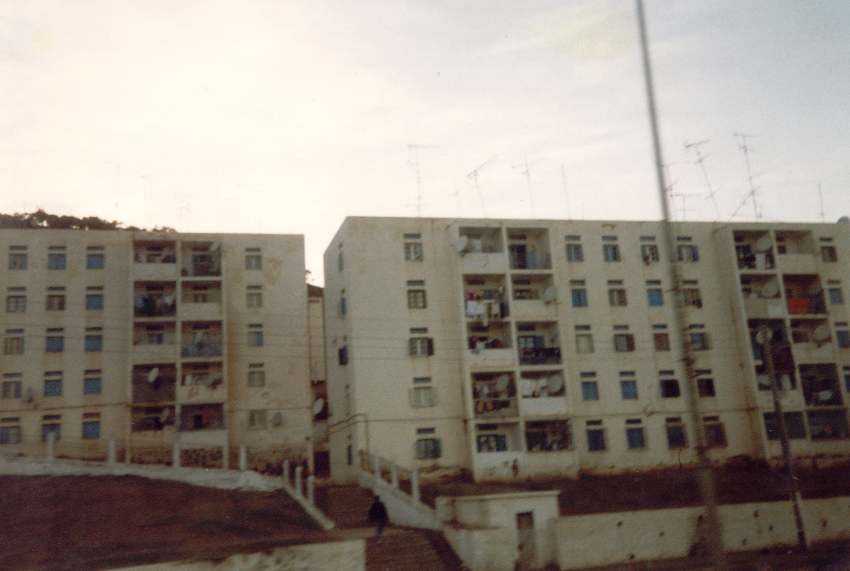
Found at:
<point>153,339</point>
<point>518,347</point>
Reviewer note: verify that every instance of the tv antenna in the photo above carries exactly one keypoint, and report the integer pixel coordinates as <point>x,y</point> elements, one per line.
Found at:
<point>414,162</point>
<point>701,162</point>
<point>566,194</point>
<point>820,197</point>
<point>473,176</point>
<point>526,172</point>
<point>745,148</point>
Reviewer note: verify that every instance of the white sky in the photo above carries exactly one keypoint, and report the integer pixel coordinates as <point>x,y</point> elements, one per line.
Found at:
<point>286,116</point>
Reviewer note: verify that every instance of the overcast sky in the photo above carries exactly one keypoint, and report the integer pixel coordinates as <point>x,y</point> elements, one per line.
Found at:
<point>286,116</point>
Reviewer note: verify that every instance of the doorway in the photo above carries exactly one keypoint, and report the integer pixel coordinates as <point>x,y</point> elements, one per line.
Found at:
<point>525,539</point>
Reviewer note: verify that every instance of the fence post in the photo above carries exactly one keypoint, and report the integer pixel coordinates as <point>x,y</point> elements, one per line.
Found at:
<point>414,485</point>
<point>311,489</point>
<point>110,454</point>
<point>394,475</point>
<point>175,455</point>
<point>243,458</point>
<point>51,443</point>
<point>286,473</point>
<point>298,491</point>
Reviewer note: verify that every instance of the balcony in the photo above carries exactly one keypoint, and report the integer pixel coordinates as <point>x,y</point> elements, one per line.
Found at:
<point>547,436</point>
<point>153,419</point>
<point>540,356</point>
<point>804,295</point>
<point>796,252</point>
<point>811,341</point>
<point>820,385</point>
<point>154,260</point>
<point>758,308</point>
<point>154,383</point>
<point>543,393</point>
<point>481,251</point>
<point>201,339</point>
<point>152,300</point>
<point>201,259</point>
<point>538,343</point>
<point>209,347</point>
<point>528,249</point>
<point>754,251</point>
<point>489,345</point>
<point>154,343</point>
<point>200,301</point>
<point>202,417</point>
<point>783,357</point>
<point>484,298</point>
<point>494,395</point>
<point>535,297</point>
<point>202,383</point>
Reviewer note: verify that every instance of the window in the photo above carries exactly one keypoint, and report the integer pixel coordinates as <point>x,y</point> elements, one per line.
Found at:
<point>617,297</point>
<point>687,253</point>
<point>420,346</point>
<point>255,335</point>
<point>257,419</point>
<point>655,296</point>
<point>629,390</point>
<point>676,437</point>
<point>13,342</point>
<point>92,385</point>
<point>611,252</point>
<point>16,303</point>
<point>55,341</point>
<point>343,306</point>
<point>94,301</point>
<point>56,302</point>
<point>635,438</point>
<point>794,425</point>
<point>491,442</point>
<point>827,424</point>
<point>56,261</point>
<point>427,448</point>
<point>10,431</point>
<point>413,252</point>
<point>91,426</point>
<point>705,387</point>
<point>416,299</point>
<point>17,260</point>
<point>624,342</point>
<point>847,379</point>
<point>94,343</point>
<point>584,343</point>
<point>715,435</point>
<point>828,254</point>
<point>595,436</point>
<point>340,261</point>
<point>575,253</point>
<point>589,390</point>
<point>53,386</point>
<point>422,393</point>
<point>670,389</point>
<point>691,297</point>
<point>842,336</point>
<point>11,386</point>
<point>836,296</point>
<point>649,253</point>
<point>254,297</point>
<point>699,341</point>
<point>662,341</point>
<point>578,294</point>
<point>342,355</point>
<point>95,261</point>
<point>256,375</point>
<point>253,261</point>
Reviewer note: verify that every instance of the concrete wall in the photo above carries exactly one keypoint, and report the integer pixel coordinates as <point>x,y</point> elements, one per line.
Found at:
<point>402,508</point>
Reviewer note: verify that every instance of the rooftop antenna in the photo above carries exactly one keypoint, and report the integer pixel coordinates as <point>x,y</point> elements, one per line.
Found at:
<point>701,162</point>
<point>414,148</point>
<point>566,194</point>
<point>753,189</point>
<point>526,172</point>
<point>473,176</point>
<point>820,197</point>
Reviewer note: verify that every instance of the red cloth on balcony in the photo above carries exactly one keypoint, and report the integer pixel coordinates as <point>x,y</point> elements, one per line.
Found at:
<point>798,305</point>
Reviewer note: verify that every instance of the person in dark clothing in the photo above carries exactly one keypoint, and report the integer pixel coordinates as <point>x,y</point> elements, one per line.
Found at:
<point>378,516</point>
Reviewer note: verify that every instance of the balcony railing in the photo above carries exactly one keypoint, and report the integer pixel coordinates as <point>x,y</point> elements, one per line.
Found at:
<point>806,306</point>
<point>496,407</point>
<point>206,349</point>
<point>155,305</point>
<point>540,355</point>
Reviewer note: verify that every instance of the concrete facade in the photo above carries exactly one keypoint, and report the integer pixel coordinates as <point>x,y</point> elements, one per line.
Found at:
<point>155,339</point>
<point>514,348</point>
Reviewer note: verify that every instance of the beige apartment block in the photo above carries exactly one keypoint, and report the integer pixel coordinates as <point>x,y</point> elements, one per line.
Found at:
<point>527,348</point>
<point>155,340</point>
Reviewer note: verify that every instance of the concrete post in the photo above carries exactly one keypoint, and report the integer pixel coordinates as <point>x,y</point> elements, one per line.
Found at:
<point>111,453</point>
<point>243,458</point>
<point>51,445</point>
<point>311,489</point>
<point>394,475</point>
<point>286,472</point>
<point>298,491</point>
<point>414,485</point>
<point>175,455</point>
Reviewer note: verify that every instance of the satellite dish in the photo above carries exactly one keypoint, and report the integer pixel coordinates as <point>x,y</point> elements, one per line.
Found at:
<point>277,419</point>
<point>821,333</point>
<point>814,289</point>
<point>550,294</point>
<point>554,384</point>
<point>153,374</point>
<point>844,220</point>
<point>318,405</point>
<point>763,335</point>
<point>764,244</point>
<point>502,383</point>
<point>461,245</point>
<point>214,247</point>
<point>824,396</point>
<point>763,381</point>
<point>770,289</point>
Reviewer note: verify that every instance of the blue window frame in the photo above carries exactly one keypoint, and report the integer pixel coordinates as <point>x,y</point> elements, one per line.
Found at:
<point>55,344</point>
<point>94,301</point>
<point>629,390</point>
<point>579,297</point>
<point>635,438</point>
<point>595,439</point>
<point>836,296</point>
<point>95,261</point>
<point>92,386</point>
<point>53,387</point>
<point>575,253</point>
<point>56,261</point>
<point>655,296</point>
<point>91,429</point>
<point>94,343</point>
<point>611,252</point>
<point>589,390</point>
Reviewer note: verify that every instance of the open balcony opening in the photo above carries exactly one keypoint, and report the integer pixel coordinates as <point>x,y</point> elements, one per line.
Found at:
<point>783,358</point>
<point>157,334</point>
<point>154,299</point>
<point>202,417</point>
<point>794,242</point>
<point>200,259</point>
<point>494,395</point>
<point>547,436</point>
<point>201,339</point>
<point>201,292</point>
<point>482,338</point>
<point>820,385</point>
<point>754,250</point>
<point>154,252</point>
<point>497,437</point>
<point>762,296</point>
<point>538,343</point>
<point>152,418</point>
<point>484,298</point>
<point>804,294</point>
<point>480,240</point>
<point>528,249</point>
<point>154,383</point>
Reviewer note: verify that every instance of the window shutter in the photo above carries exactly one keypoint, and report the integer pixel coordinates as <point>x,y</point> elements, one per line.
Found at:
<point>430,343</point>
<point>343,355</point>
<point>696,254</point>
<point>411,346</point>
<point>411,395</point>
<point>438,448</point>
<point>630,342</point>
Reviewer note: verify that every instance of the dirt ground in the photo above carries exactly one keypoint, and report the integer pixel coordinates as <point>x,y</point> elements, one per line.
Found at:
<point>749,482</point>
<point>98,522</point>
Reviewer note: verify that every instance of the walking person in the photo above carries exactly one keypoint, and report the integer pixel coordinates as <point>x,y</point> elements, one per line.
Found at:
<point>378,516</point>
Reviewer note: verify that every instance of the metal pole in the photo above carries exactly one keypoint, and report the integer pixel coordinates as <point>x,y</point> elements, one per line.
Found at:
<point>705,475</point>
<point>765,335</point>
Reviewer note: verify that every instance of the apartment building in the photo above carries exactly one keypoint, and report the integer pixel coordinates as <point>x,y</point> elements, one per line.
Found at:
<point>152,339</point>
<point>514,348</point>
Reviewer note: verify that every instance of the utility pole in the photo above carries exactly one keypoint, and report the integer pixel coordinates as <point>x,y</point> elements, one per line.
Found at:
<point>705,475</point>
<point>764,336</point>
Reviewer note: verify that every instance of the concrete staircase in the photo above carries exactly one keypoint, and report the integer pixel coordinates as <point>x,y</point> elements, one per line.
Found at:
<point>400,549</point>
